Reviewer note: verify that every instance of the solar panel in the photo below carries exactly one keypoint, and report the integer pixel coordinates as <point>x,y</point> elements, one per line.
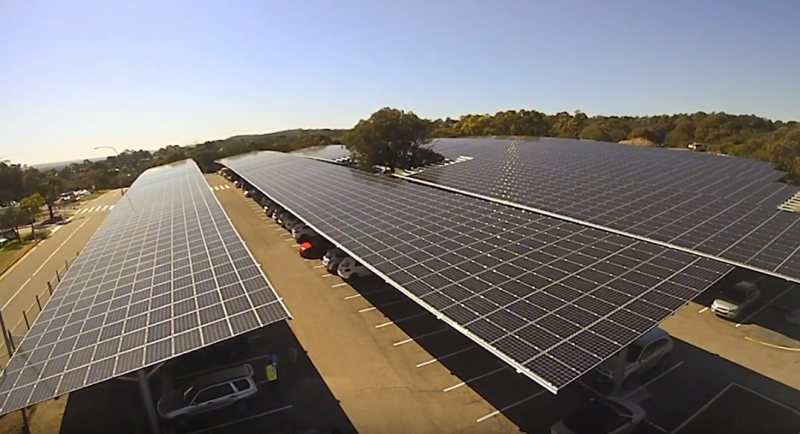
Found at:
<point>328,152</point>
<point>550,297</point>
<point>165,274</point>
<point>720,206</point>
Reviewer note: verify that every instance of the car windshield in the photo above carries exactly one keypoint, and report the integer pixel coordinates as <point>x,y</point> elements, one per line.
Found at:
<point>597,417</point>
<point>634,350</point>
<point>733,294</point>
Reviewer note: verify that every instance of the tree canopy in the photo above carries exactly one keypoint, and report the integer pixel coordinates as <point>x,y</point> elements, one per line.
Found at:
<point>390,137</point>
<point>396,138</point>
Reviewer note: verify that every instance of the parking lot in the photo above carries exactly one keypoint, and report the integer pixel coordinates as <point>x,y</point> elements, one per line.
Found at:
<point>374,361</point>
<point>515,397</point>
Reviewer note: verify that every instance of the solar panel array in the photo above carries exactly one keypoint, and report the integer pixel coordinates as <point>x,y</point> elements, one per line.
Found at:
<point>165,274</point>
<point>722,206</point>
<point>550,297</point>
<point>328,152</point>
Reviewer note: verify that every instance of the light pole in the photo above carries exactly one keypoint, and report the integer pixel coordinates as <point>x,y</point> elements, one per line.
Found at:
<point>121,189</point>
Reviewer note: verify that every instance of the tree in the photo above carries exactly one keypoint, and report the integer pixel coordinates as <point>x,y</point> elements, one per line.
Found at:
<point>594,132</point>
<point>390,137</point>
<point>30,206</point>
<point>11,218</point>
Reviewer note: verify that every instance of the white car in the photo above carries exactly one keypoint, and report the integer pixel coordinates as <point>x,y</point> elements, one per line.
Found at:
<point>645,353</point>
<point>613,415</point>
<point>735,300</point>
<point>349,268</point>
<point>208,392</point>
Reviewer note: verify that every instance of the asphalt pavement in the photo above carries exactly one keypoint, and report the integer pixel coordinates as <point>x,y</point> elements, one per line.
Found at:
<point>29,277</point>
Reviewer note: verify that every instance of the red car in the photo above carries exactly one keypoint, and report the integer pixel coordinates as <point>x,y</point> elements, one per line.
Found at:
<point>314,248</point>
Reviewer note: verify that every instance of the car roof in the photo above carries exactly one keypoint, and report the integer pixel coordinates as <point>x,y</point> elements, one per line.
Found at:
<point>744,286</point>
<point>653,334</point>
<point>222,376</point>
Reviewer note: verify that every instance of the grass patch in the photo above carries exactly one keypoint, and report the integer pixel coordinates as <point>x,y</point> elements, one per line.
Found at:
<point>40,234</point>
<point>11,252</point>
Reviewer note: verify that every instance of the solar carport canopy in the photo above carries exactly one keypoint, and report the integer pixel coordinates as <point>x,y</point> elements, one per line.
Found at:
<point>719,206</point>
<point>549,297</point>
<point>165,274</point>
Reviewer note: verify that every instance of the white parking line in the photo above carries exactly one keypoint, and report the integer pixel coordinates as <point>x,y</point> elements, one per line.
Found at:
<point>278,229</point>
<point>339,284</point>
<point>424,335</point>
<point>705,406</point>
<point>656,378</point>
<point>508,407</point>
<point>105,208</point>
<point>703,310</point>
<point>367,309</point>
<point>385,324</point>
<point>755,312</point>
<point>327,275</point>
<point>464,383</point>
<point>318,266</point>
<point>446,356</point>
<point>772,400</point>
<point>295,245</point>
<point>110,207</point>
<point>406,318</point>
<point>222,425</point>
<point>350,297</point>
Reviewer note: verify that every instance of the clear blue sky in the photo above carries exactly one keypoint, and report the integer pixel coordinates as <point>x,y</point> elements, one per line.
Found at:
<point>143,74</point>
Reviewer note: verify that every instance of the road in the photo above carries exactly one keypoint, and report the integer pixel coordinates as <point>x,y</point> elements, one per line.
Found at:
<point>29,277</point>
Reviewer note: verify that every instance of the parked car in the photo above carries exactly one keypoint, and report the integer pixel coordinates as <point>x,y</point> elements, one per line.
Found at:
<point>208,392</point>
<point>284,216</point>
<point>288,221</point>
<point>332,259</point>
<point>274,214</point>
<point>349,268</point>
<point>269,209</point>
<point>734,301</point>
<point>649,351</point>
<point>602,416</point>
<point>293,224</point>
<point>306,234</point>
<point>237,183</point>
<point>248,193</point>
<point>297,228</point>
<point>3,241</point>
<point>314,248</point>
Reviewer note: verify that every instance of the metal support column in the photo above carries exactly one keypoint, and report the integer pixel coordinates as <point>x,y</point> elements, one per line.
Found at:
<point>619,371</point>
<point>6,337</point>
<point>147,400</point>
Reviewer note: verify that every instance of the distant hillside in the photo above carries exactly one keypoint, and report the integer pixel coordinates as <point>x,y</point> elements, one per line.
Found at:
<point>61,164</point>
<point>333,133</point>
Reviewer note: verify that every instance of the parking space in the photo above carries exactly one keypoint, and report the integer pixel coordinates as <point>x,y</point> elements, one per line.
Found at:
<point>764,340</point>
<point>423,350</point>
<point>351,330</point>
<point>739,409</point>
<point>300,401</point>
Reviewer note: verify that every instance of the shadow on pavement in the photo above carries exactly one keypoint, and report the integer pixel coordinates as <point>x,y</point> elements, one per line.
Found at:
<point>301,402</point>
